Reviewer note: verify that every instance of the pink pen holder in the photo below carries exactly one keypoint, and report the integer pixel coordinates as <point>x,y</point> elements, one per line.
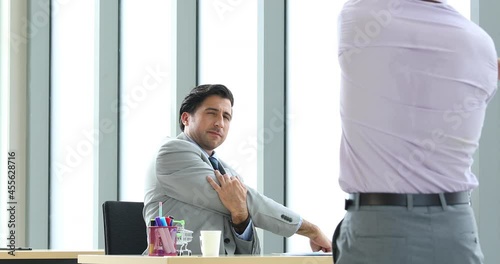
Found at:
<point>162,240</point>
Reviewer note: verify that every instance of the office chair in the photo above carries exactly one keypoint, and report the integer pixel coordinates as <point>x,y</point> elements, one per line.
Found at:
<point>124,228</point>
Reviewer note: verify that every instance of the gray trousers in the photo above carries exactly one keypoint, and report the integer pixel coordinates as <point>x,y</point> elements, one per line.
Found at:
<point>395,234</point>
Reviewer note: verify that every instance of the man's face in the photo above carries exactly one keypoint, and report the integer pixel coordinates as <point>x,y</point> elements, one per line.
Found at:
<point>209,125</point>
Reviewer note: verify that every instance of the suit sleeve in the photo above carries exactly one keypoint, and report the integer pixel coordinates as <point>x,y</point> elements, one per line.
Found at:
<point>182,173</point>
<point>271,215</point>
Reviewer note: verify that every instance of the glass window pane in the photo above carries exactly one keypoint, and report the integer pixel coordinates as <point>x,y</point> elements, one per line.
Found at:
<point>144,90</point>
<point>228,55</point>
<point>462,6</point>
<point>72,126</point>
<point>313,132</point>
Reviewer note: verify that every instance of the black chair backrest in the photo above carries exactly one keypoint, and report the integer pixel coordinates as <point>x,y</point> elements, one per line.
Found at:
<point>124,228</point>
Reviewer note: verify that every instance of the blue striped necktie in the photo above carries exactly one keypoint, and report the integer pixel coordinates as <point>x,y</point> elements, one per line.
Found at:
<point>215,164</point>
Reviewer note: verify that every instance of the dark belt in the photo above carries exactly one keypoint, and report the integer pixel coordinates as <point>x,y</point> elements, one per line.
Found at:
<point>397,199</point>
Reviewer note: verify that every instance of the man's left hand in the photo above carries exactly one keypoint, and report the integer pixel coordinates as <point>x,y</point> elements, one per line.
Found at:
<point>233,195</point>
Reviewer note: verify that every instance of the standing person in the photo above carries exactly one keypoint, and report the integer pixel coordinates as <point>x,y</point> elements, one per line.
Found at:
<point>416,79</point>
<point>188,187</point>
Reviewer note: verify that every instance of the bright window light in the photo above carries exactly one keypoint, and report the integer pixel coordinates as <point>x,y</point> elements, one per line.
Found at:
<point>72,125</point>
<point>462,6</point>
<point>313,79</point>
<point>144,90</point>
<point>228,55</point>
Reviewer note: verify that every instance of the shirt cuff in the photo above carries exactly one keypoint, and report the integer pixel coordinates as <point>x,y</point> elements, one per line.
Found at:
<point>247,234</point>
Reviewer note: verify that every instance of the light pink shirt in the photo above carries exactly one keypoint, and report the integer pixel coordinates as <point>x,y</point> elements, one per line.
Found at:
<point>416,79</point>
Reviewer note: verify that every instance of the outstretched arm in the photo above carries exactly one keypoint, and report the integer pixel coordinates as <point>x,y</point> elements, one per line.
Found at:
<point>317,239</point>
<point>233,195</point>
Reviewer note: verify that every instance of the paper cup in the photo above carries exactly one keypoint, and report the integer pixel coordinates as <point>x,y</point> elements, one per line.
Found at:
<point>210,242</point>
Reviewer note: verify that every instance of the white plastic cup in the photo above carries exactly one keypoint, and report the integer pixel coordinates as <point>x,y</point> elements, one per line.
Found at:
<point>210,242</point>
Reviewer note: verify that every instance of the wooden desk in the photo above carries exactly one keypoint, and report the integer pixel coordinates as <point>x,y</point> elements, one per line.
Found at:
<point>121,259</point>
<point>45,256</point>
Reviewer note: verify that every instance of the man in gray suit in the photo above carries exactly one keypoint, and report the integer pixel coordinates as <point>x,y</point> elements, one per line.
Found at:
<point>189,188</point>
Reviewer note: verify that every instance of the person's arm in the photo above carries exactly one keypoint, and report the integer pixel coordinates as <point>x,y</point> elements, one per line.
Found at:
<point>182,173</point>
<point>268,214</point>
<point>233,195</point>
<point>317,239</point>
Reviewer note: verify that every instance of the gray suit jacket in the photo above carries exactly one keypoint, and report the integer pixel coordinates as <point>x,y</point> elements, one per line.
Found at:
<point>180,183</point>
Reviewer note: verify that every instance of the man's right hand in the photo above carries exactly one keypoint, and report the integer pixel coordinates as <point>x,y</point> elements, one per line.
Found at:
<point>317,239</point>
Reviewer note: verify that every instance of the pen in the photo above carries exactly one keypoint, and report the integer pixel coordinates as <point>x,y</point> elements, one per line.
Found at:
<point>166,240</point>
<point>160,213</point>
<point>158,221</point>
<point>163,221</point>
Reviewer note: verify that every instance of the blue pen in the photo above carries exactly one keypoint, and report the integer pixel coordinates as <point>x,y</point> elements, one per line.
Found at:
<point>158,221</point>
<point>163,221</point>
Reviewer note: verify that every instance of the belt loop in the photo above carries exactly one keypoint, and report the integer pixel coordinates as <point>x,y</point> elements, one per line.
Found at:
<point>409,201</point>
<point>356,201</point>
<point>442,198</point>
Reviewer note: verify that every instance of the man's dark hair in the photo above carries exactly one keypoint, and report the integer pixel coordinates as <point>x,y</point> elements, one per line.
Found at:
<point>198,94</point>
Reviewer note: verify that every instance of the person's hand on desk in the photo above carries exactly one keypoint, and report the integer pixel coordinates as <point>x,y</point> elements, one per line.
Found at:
<point>233,195</point>
<point>317,239</point>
